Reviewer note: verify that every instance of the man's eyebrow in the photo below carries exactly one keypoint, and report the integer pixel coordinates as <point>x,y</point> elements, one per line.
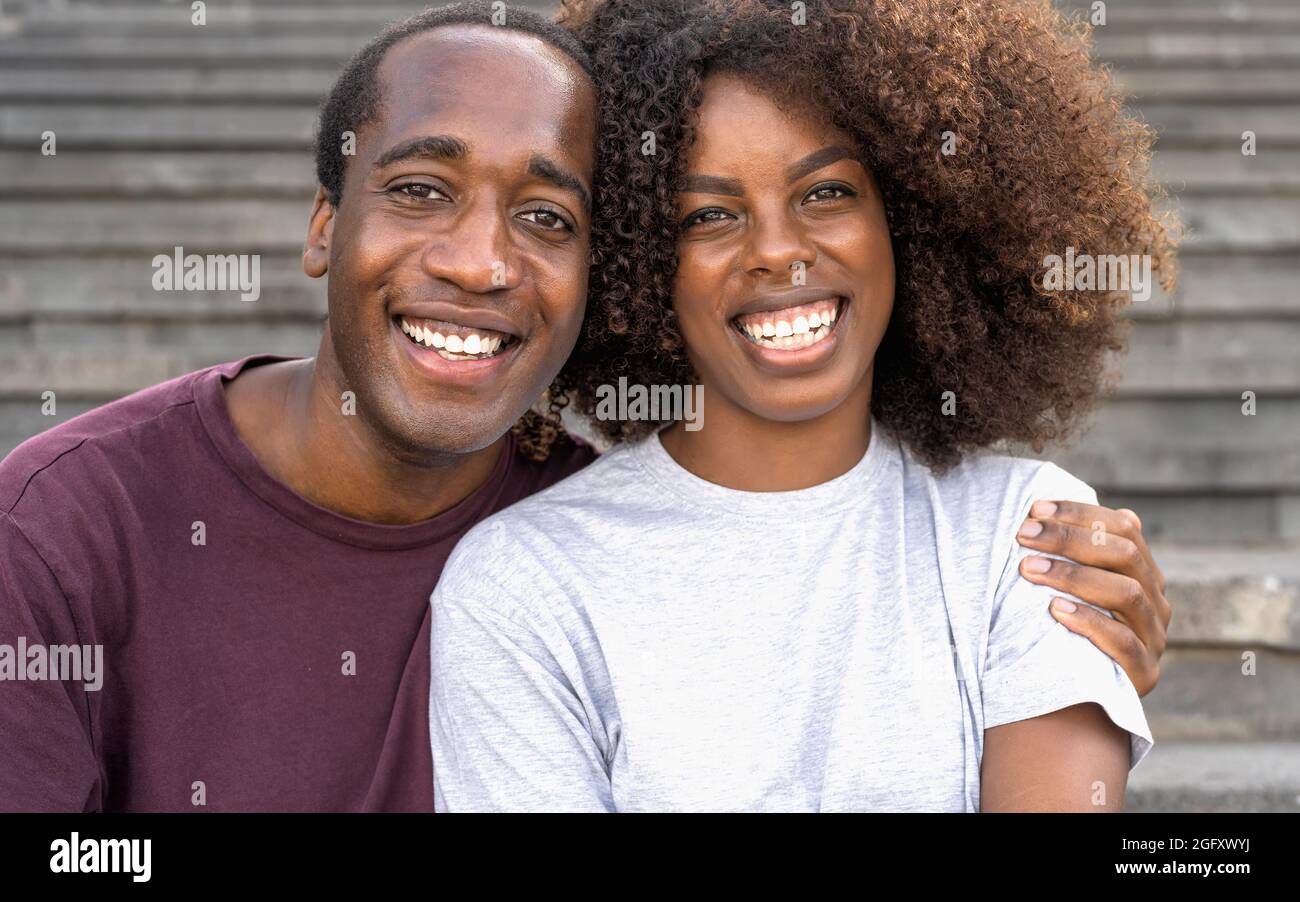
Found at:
<point>428,147</point>
<point>816,160</point>
<point>545,168</point>
<point>712,184</point>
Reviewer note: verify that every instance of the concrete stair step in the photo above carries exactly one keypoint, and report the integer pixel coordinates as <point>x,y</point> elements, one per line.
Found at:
<point>80,18</point>
<point>1195,357</point>
<point>1166,445</point>
<point>1200,516</point>
<point>190,174</point>
<point>1209,47</point>
<point>1208,84</point>
<point>91,289</point>
<point>1181,125</point>
<point>158,126</point>
<point>227,339</point>
<point>1206,170</point>
<point>1217,777</point>
<point>1233,660</point>
<point>1227,285</point>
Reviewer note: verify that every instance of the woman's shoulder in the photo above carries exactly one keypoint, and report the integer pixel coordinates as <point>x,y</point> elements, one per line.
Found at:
<point>990,481</point>
<point>554,528</point>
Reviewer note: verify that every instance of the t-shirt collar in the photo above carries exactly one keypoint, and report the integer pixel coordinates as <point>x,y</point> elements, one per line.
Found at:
<point>210,400</point>
<point>832,496</point>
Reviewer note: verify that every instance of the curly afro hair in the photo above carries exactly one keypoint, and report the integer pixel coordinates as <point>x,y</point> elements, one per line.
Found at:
<point>1046,159</point>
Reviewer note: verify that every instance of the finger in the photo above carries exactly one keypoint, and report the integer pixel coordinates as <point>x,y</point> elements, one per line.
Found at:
<point>1112,638</point>
<point>1110,552</point>
<point>1097,520</point>
<point>1122,595</point>
<point>1107,521</point>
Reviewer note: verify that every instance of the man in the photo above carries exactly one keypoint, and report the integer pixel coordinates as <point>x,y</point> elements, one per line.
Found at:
<point>253,546</point>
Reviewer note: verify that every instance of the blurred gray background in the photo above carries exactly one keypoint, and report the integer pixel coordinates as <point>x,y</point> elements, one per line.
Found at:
<point>171,134</point>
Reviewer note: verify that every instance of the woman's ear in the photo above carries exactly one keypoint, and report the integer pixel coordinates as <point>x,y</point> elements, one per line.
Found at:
<point>320,228</point>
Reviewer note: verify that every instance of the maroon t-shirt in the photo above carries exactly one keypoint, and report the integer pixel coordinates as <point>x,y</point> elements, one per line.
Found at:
<point>260,653</point>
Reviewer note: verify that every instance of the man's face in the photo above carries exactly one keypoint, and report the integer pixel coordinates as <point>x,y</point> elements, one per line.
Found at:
<point>457,255</point>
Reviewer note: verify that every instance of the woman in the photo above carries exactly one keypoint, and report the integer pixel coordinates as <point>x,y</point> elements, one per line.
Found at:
<point>815,601</point>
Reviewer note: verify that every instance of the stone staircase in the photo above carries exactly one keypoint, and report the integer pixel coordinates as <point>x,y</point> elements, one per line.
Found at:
<point>174,134</point>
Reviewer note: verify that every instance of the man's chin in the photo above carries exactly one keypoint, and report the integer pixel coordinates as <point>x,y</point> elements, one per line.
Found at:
<point>416,438</point>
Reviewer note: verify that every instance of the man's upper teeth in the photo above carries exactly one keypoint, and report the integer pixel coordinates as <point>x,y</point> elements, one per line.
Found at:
<point>455,339</point>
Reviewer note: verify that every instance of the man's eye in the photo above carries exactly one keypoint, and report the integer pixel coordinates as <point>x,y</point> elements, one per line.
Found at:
<point>419,191</point>
<point>547,219</point>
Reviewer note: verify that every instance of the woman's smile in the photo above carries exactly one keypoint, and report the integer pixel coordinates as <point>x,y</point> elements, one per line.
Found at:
<point>793,338</point>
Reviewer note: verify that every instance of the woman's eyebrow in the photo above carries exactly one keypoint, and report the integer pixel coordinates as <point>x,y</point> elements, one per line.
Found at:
<point>715,184</point>
<point>712,184</point>
<point>816,160</point>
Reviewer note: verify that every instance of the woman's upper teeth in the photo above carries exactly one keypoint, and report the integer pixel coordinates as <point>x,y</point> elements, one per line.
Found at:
<point>454,338</point>
<point>791,320</point>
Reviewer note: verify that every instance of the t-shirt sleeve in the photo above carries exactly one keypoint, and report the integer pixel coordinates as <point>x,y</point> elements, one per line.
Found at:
<point>509,730</point>
<point>48,762</point>
<point>1034,664</point>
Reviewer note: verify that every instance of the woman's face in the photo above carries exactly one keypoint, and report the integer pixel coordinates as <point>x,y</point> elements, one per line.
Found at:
<point>785,279</point>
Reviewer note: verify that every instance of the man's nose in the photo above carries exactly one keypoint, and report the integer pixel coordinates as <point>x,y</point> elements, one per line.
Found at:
<point>477,255</point>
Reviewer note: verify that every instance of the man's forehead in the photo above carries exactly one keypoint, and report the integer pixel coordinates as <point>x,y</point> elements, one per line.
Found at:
<point>478,57</point>
<point>474,77</point>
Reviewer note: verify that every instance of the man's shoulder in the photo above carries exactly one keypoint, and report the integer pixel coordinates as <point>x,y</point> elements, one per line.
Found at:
<point>89,449</point>
<point>567,455</point>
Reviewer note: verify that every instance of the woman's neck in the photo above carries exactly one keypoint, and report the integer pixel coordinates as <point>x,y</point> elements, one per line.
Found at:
<point>741,450</point>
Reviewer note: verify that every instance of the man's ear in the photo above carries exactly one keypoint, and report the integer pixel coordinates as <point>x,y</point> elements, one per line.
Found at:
<point>316,250</point>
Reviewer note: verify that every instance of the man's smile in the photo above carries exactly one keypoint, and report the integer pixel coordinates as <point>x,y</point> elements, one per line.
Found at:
<point>453,341</point>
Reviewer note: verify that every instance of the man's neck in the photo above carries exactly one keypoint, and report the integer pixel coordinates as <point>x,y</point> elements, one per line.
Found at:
<point>290,415</point>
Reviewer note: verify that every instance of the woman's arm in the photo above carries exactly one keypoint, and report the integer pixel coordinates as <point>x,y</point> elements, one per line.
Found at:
<point>1063,724</point>
<point>1074,759</point>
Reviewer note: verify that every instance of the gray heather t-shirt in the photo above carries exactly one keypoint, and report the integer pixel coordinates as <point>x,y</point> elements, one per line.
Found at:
<point>635,638</point>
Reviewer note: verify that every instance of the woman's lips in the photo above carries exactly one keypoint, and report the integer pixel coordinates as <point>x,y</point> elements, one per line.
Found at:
<point>791,328</point>
<point>786,341</point>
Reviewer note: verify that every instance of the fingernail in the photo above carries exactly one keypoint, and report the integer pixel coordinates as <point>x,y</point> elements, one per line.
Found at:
<point>1038,564</point>
<point>1043,508</point>
<point>1064,605</point>
<point>1031,528</point>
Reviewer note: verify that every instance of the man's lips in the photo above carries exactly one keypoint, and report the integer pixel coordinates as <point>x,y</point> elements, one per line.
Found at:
<point>455,332</point>
<point>452,340</point>
<point>475,371</point>
<point>471,318</point>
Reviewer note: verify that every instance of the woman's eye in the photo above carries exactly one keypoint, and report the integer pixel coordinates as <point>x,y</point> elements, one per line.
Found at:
<point>830,192</point>
<point>712,214</point>
<point>547,219</point>
<point>419,191</point>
